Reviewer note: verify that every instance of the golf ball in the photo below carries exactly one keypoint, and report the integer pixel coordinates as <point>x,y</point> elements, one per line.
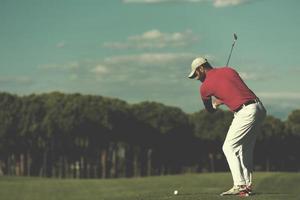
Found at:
<point>175,192</point>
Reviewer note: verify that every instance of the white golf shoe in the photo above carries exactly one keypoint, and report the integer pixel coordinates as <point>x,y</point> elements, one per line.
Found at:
<point>237,190</point>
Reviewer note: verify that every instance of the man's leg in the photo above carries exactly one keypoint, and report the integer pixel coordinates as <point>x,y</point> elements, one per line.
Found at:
<point>248,143</point>
<point>240,139</point>
<point>232,151</point>
<point>239,145</point>
<point>234,162</point>
<point>247,158</point>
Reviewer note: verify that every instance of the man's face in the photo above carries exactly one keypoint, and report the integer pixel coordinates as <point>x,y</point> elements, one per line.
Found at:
<point>200,74</point>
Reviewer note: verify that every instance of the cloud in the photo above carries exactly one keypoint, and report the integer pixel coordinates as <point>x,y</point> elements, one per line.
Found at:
<point>216,3</point>
<point>294,70</point>
<point>83,70</point>
<point>258,76</point>
<point>140,71</point>
<point>72,70</point>
<point>61,44</point>
<point>280,95</point>
<point>15,80</point>
<point>110,64</point>
<point>224,3</point>
<point>280,104</point>
<point>155,39</point>
<point>150,58</point>
<point>248,76</point>
<point>149,69</point>
<point>73,77</point>
<point>161,1</point>
<point>99,70</point>
<point>72,65</point>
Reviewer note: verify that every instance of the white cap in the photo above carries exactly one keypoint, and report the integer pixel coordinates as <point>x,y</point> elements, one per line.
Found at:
<point>195,64</point>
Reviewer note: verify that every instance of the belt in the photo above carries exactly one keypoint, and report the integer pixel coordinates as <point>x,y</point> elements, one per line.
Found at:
<point>246,104</point>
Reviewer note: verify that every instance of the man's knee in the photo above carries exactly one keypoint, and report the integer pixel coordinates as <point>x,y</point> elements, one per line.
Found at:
<point>227,148</point>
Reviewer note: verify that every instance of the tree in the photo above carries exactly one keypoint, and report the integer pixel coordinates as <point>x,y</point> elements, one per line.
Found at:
<point>211,129</point>
<point>293,140</point>
<point>10,141</point>
<point>271,136</point>
<point>170,137</point>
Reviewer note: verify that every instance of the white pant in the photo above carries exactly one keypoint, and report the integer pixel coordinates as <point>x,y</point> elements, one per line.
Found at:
<point>240,140</point>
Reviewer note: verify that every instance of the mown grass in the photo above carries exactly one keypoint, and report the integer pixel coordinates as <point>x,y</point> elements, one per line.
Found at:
<point>268,186</point>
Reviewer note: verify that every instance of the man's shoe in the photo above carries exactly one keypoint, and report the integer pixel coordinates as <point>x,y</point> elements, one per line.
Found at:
<point>235,190</point>
<point>245,191</point>
<point>249,189</point>
<point>242,191</point>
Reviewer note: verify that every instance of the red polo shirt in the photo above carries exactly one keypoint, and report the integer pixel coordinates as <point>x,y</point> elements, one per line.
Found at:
<point>225,84</point>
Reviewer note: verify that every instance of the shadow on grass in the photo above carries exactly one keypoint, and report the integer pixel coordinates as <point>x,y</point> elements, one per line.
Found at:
<point>253,194</point>
<point>269,193</point>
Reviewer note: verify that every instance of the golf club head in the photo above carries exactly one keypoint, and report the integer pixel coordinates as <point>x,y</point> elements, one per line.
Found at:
<point>235,36</point>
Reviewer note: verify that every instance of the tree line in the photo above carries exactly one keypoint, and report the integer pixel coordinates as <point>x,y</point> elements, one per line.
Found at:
<point>89,136</point>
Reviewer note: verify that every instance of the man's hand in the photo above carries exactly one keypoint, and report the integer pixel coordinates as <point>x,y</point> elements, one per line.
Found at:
<point>216,103</point>
<point>208,105</point>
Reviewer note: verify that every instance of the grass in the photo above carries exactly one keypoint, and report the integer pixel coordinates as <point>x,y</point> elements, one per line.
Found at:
<point>268,186</point>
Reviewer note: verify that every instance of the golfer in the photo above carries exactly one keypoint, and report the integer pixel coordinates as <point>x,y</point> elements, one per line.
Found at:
<point>223,85</point>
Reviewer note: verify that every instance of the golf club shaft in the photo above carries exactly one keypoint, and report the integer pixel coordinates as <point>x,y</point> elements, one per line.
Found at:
<point>230,54</point>
<point>235,38</point>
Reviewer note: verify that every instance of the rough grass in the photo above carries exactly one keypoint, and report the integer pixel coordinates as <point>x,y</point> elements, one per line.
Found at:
<point>268,186</point>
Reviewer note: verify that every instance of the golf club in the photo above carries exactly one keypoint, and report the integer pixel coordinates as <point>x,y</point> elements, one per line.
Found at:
<point>234,40</point>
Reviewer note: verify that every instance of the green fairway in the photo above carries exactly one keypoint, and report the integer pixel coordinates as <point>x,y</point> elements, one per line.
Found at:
<point>268,186</point>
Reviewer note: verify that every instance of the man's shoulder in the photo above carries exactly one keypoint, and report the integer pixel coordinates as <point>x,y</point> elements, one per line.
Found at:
<point>225,69</point>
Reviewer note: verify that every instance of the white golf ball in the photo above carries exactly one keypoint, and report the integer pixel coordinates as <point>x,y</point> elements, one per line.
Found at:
<point>175,192</point>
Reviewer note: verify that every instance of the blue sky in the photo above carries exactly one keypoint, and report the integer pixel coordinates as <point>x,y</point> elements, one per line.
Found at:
<point>139,50</point>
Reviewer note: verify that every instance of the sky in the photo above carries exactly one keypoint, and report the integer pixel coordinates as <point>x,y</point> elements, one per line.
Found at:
<point>141,50</point>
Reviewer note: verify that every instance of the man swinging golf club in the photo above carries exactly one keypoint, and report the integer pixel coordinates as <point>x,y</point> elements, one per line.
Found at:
<point>227,87</point>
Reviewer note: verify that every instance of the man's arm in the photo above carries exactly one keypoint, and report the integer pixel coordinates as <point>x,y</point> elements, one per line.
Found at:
<point>208,105</point>
<point>216,103</point>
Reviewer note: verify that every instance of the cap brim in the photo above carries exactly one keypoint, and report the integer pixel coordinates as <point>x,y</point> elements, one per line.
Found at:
<point>192,74</point>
